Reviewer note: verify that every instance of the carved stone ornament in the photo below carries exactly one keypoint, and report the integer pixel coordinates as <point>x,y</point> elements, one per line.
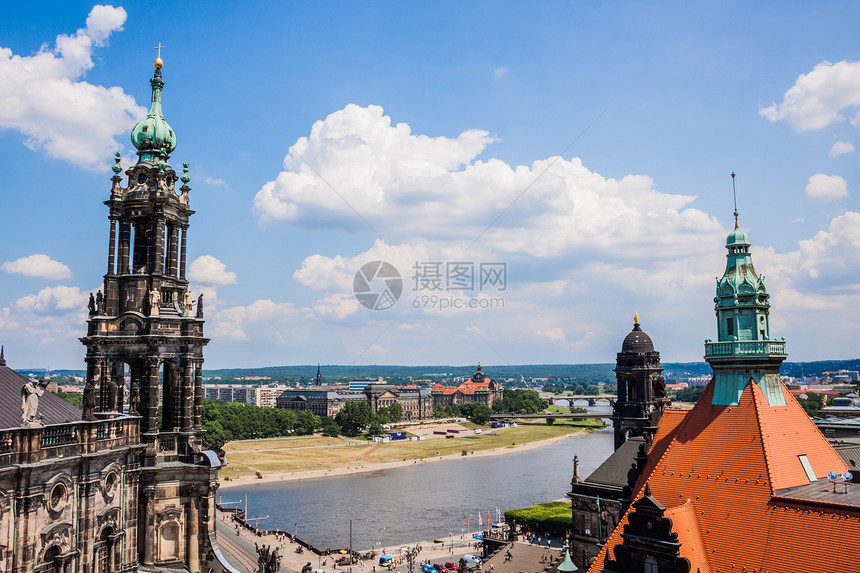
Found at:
<point>58,535</point>
<point>171,514</point>
<point>109,485</point>
<point>57,495</point>
<point>108,518</point>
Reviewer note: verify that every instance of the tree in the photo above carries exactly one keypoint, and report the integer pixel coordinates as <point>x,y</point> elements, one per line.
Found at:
<point>395,413</point>
<point>375,428</point>
<point>812,404</point>
<point>384,415</point>
<point>330,427</point>
<point>353,417</point>
<point>690,394</point>
<point>215,434</point>
<point>73,398</point>
<point>519,402</point>
<point>476,413</point>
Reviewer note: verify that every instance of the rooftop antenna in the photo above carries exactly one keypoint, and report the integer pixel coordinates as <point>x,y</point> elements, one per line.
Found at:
<point>735,197</point>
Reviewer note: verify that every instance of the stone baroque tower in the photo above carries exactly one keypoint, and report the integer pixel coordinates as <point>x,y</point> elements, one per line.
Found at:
<point>641,387</point>
<point>144,325</point>
<point>743,350</point>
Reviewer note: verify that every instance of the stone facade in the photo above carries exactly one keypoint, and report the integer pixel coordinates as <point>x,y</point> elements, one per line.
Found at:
<point>476,390</point>
<point>112,488</point>
<point>416,402</point>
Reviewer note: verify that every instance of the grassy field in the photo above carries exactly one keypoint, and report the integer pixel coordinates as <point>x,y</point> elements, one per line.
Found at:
<point>305,453</point>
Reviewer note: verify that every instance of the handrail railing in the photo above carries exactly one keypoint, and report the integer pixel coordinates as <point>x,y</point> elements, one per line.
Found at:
<point>745,348</point>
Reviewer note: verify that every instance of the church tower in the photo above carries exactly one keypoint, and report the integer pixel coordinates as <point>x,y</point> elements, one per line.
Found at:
<point>641,387</point>
<point>743,349</point>
<point>145,346</point>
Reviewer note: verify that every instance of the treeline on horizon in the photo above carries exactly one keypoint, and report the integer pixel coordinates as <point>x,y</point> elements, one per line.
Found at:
<point>591,373</point>
<point>604,370</point>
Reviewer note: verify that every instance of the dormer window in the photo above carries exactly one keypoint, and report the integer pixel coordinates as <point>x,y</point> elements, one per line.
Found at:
<point>145,128</point>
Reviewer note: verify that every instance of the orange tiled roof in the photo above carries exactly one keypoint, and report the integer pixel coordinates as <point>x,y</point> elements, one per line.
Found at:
<point>685,524</point>
<point>729,462</point>
<point>467,387</point>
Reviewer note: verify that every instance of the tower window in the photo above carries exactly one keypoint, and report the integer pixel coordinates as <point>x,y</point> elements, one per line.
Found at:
<point>730,326</point>
<point>651,565</point>
<point>145,128</point>
<point>131,294</point>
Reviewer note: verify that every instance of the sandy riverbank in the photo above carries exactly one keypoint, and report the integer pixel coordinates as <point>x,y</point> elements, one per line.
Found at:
<point>294,476</point>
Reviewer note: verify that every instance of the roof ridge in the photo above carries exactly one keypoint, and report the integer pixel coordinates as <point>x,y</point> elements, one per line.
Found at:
<point>756,396</point>
<point>705,398</point>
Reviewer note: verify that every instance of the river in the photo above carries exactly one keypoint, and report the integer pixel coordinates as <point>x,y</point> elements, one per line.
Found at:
<point>424,501</point>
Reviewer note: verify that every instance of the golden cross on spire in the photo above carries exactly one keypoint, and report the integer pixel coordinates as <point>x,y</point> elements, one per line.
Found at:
<point>158,63</point>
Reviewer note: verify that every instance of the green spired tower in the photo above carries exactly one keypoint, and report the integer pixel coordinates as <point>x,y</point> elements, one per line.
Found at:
<point>744,350</point>
<point>145,352</point>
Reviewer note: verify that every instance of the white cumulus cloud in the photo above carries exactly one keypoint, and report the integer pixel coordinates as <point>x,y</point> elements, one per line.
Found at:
<point>820,98</point>
<point>233,322</point>
<point>38,265</point>
<point>841,148</point>
<point>826,187</point>
<point>44,97</point>
<point>50,299</point>
<point>413,188</point>
<point>208,270</point>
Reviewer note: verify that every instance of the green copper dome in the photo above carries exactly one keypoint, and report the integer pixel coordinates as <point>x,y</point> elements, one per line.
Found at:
<point>738,238</point>
<point>152,135</point>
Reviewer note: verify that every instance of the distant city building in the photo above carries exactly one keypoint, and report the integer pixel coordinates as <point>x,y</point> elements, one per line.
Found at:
<point>263,395</point>
<point>476,390</point>
<point>359,384</point>
<point>416,402</point>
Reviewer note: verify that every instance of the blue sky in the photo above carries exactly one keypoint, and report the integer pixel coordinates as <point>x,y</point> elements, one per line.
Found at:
<point>586,147</point>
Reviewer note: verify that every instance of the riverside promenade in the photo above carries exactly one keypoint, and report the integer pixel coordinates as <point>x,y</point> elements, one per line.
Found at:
<point>241,553</point>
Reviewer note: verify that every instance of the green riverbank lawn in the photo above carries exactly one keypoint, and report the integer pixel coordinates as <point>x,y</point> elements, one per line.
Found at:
<point>309,453</point>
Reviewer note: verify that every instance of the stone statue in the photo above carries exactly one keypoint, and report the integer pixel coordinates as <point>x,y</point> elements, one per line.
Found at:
<point>89,401</point>
<point>100,303</point>
<point>134,396</point>
<point>30,393</point>
<point>607,519</point>
<point>188,301</point>
<point>154,300</point>
<point>268,560</point>
<point>111,388</point>
<point>200,306</point>
<point>91,305</point>
<point>632,475</point>
<point>659,387</point>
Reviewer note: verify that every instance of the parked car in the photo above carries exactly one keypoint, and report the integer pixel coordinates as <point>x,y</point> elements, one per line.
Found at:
<point>472,558</point>
<point>427,568</point>
<point>440,568</point>
<point>451,566</point>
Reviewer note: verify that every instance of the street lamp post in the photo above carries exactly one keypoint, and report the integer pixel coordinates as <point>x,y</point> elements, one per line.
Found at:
<point>377,536</point>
